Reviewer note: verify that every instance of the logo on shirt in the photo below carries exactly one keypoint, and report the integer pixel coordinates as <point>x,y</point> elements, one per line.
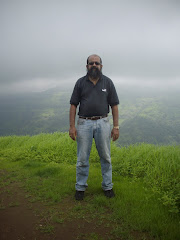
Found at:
<point>104,90</point>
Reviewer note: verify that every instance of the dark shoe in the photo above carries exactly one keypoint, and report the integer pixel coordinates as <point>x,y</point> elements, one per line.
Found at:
<point>79,195</point>
<point>109,193</point>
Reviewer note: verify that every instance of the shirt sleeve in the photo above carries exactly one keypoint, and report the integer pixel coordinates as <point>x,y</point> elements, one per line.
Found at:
<point>75,97</point>
<point>112,96</point>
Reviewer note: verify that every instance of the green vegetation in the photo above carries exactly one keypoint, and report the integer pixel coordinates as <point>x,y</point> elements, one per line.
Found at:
<point>149,117</point>
<point>146,116</point>
<point>146,183</point>
<point>34,113</point>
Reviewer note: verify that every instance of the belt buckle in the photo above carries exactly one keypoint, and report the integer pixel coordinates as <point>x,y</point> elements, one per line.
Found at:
<point>93,118</point>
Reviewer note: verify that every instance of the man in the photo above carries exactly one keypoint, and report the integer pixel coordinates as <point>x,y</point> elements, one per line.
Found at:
<point>95,93</point>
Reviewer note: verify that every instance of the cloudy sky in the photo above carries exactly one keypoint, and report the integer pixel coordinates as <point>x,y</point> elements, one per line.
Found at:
<point>45,43</point>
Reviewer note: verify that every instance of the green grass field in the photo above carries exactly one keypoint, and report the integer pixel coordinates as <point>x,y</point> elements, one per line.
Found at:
<point>146,181</point>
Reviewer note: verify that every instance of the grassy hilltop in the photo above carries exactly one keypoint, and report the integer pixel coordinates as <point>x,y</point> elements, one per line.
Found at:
<point>146,181</point>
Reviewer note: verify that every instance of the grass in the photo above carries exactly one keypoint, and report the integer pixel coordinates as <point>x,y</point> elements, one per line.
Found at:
<point>13,204</point>
<point>145,177</point>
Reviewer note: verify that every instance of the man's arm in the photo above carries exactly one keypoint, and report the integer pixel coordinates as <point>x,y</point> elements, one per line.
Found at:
<point>115,131</point>
<point>72,117</point>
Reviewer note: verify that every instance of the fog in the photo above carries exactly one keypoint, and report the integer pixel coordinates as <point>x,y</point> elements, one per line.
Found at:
<point>45,43</point>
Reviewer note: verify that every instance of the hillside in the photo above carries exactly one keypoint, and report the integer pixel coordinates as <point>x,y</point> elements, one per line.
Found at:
<point>150,116</point>
<point>146,184</point>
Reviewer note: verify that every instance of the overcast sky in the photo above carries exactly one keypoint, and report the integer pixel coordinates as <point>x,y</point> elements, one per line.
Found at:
<point>44,43</point>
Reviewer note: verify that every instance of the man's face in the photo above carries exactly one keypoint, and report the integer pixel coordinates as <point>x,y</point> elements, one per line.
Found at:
<point>94,67</point>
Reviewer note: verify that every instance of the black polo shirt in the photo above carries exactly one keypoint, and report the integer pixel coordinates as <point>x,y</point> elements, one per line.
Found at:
<point>94,100</point>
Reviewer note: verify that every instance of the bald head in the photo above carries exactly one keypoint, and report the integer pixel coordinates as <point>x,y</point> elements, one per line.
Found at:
<point>94,55</point>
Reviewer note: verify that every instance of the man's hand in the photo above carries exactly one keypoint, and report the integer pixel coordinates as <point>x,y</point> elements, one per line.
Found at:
<point>115,134</point>
<point>72,133</point>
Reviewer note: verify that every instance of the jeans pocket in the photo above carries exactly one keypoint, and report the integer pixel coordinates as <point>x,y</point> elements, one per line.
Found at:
<point>106,119</point>
<point>81,121</point>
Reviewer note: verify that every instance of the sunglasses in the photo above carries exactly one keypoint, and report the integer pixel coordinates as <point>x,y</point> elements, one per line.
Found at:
<point>96,63</point>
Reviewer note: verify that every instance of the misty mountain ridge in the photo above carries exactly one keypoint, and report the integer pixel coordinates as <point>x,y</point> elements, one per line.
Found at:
<point>145,114</point>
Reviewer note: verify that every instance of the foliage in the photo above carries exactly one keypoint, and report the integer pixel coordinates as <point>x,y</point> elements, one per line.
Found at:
<point>56,147</point>
<point>158,166</point>
<point>142,175</point>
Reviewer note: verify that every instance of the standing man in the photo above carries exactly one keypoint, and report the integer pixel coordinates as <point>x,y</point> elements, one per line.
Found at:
<point>95,93</point>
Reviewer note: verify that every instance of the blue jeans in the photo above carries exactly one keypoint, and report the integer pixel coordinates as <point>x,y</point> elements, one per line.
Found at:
<point>101,132</point>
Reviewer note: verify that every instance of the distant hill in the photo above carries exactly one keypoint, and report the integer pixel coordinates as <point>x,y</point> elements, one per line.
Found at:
<point>145,116</point>
<point>151,117</point>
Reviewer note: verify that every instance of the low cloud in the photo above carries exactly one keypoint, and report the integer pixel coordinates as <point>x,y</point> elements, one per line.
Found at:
<point>46,42</point>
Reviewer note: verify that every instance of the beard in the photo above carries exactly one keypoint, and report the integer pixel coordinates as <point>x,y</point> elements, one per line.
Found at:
<point>94,73</point>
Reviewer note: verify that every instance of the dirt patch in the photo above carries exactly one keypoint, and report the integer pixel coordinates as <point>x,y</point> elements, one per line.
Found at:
<point>21,218</point>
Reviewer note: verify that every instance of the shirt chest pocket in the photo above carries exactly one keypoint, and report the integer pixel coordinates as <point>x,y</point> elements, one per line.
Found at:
<point>103,93</point>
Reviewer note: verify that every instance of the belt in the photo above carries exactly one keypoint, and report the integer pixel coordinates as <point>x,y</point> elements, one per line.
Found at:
<point>93,118</point>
